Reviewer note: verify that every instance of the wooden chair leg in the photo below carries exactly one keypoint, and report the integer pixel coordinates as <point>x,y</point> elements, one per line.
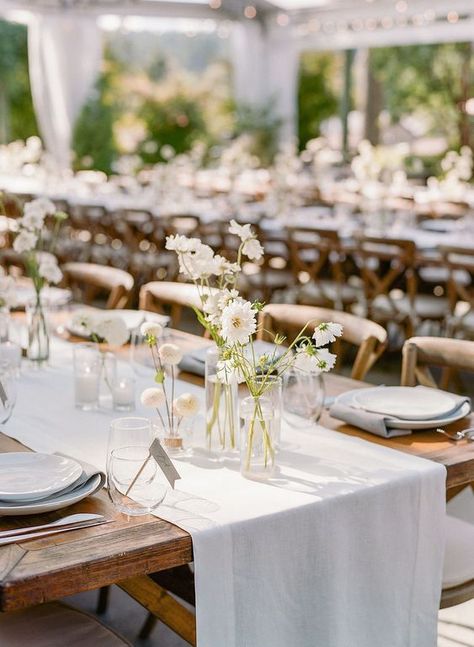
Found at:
<point>162,605</point>
<point>103,600</point>
<point>148,626</point>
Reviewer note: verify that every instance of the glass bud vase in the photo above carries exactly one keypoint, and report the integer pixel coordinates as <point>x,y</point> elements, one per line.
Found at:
<point>38,333</point>
<point>258,431</point>
<point>176,435</point>
<point>4,324</point>
<point>222,422</point>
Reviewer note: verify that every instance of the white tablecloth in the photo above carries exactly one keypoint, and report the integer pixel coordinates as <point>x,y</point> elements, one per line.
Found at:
<point>343,549</point>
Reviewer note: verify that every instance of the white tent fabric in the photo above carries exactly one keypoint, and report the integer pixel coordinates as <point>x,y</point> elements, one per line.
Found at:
<point>65,55</point>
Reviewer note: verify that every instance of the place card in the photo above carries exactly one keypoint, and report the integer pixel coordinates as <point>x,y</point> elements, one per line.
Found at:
<point>163,461</point>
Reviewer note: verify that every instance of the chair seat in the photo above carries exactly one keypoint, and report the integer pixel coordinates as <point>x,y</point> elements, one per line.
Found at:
<point>458,565</point>
<point>326,291</point>
<point>426,306</point>
<point>55,625</point>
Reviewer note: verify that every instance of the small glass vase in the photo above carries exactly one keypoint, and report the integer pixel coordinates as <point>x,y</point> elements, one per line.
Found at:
<point>222,422</point>
<point>4,324</point>
<point>38,333</point>
<point>258,431</point>
<point>108,376</point>
<point>175,435</point>
<point>303,397</point>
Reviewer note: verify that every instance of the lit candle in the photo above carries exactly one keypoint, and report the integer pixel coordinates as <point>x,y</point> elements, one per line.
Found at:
<point>124,394</point>
<point>86,384</point>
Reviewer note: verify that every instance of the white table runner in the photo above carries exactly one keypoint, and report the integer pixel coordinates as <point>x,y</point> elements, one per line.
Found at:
<point>343,549</point>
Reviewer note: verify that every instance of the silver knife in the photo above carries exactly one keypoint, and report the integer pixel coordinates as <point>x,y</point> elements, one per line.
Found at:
<point>69,520</point>
<point>14,539</point>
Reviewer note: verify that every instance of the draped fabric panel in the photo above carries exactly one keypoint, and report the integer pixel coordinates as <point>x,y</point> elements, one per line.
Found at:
<point>65,54</point>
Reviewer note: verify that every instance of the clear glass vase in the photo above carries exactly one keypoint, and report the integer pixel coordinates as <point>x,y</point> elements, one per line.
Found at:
<point>4,324</point>
<point>222,422</point>
<point>258,431</point>
<point>38,333</point>
<point>175,435</point>
<point>303,397</point>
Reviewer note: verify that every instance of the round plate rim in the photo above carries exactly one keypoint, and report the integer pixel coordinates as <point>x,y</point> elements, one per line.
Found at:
<point>408,389</point>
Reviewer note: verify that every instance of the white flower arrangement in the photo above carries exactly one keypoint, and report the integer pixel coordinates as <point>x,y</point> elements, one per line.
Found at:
<point>41,264</point>
<point>102,328</point>
<point>171,410</point>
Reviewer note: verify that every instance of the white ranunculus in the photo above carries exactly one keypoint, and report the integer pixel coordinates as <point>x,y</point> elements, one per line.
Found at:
<point>253,249</point>
<point>113,330</point>
<point>151,329</point>
<point>49,270</point>
<point>244,232</point>
<point>25,241</point>
<point>326,332</point>
<point>186,405</point>
<point>170,354</point>
<point>154,397</point>
<point>238,322</point>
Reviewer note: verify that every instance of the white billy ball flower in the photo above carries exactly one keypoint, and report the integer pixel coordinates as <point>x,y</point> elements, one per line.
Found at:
<point>244,232</point>
<point>252,249</point>
<point>186,405</point>
<point>154,397</point>
<point>326,333</point>
<point>113,330</point>
<point>25,241</point>
<point>170,354</point>
<point>151,329</point>
<point>238,322</point>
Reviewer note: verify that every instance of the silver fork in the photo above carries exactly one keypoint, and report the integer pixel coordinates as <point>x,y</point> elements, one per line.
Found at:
<point>458,435</point>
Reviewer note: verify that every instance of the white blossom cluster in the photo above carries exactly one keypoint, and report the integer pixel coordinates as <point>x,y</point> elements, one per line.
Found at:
<point>108,328</point>
<point>29,234</point>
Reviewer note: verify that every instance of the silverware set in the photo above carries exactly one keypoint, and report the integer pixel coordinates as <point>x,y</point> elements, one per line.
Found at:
<point>70,522</point>
<point>466,434</point>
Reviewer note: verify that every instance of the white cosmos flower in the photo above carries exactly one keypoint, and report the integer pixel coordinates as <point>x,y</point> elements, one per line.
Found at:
<point>179,244</point>
<point>253,249</point>
<point>306,361</point>
<point>244,232</point>
<point>227,373</point>
<point>186,405</point>
<point>151,329</point>
<point>43,205</point>
<point>33,217</point>
<point>49,270</point>
<point>113,330</point>
<point>326,333</point>
<point>170,354</point>
<point>223,266</point>
<point>25,241</point>
<point>153,397</point>
<point>325,359</point>
<point>197,263</point>
<point>238,322</point>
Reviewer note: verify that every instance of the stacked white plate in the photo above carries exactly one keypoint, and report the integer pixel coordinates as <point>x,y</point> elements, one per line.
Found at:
<point>132,318</point>
<point>406,407</point>
<point>31,483</point>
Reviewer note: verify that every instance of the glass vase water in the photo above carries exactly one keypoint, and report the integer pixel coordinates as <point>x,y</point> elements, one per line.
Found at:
<point>222,422</point>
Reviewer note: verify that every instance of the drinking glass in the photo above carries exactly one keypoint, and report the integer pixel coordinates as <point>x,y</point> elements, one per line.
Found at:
<point>136,484</point>
<point>87,369</point>
<point>303,397</point>
<point>7,393</point>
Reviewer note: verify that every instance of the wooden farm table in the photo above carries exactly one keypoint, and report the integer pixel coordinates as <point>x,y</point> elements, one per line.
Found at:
<point>125,551</point>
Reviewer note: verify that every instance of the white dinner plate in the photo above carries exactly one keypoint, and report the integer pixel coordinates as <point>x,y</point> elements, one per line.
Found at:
<point>56,503</point>
<point>26,476</point>
<point>463,411</point>
<point>405,402</point>
<point>132,318</point>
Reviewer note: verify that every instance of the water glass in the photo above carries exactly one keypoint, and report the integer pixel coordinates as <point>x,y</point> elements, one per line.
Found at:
<point>123,394</point>
<point>87,370</point>
<point>136,484</point>
<point>10,355</point>
<point>8,386</point>
<point>303,397</point>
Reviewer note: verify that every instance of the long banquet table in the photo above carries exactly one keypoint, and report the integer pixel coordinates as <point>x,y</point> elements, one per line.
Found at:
<point>126,550</point>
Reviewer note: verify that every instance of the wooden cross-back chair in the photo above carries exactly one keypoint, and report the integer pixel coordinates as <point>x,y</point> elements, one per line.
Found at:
<point>460,292</point>
<point>316,260</point>
<point>367,336</point>
<point>89,279</point>
<point>420,353</point>
<point>388,270</point>
<point>157,296</point>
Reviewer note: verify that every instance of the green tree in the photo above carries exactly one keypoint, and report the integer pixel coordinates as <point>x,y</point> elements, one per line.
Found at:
<point>17,116</point>
<point>317,96</point>
<point>262,126</point>
<point>431,80</point>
